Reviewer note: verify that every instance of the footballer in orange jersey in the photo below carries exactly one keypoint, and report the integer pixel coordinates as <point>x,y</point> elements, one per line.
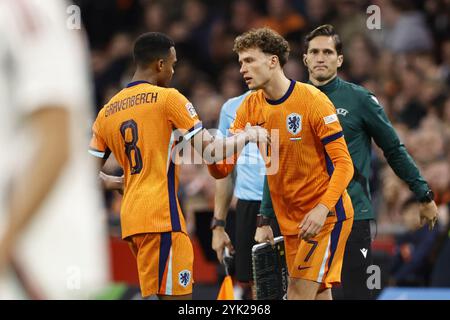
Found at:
<point>308,191</point>
<point>139,126</point>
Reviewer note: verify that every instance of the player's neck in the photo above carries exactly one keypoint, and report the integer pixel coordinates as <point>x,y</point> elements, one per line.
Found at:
<point>142,75</point>
<point>277,87</point>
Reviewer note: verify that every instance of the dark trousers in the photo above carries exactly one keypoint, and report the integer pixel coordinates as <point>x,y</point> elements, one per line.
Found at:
<point>357,258</point>
<point>246,212</point>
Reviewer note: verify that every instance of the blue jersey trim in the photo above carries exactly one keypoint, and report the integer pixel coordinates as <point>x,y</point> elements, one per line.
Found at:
<point>135,83</point>
<point>174,215</point>
<point>164,250</point>
<point>335,234</point>
<point>331,138</point>
<point>193,131</point>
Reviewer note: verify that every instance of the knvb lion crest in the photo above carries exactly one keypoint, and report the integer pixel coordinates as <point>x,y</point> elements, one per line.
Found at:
<point>184,277</point>
<point>294,123</point>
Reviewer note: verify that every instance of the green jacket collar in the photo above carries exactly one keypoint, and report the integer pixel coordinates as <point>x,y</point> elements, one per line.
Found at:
<point>330,86</point>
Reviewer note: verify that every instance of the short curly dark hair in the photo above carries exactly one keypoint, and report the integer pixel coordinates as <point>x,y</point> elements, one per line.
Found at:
<point>265,39</point>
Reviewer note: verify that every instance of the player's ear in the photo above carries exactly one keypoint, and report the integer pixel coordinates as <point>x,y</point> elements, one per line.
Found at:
<point>340,60</point>
<point>274,60</point>
<point>305,61</point>
<point>159,65</point>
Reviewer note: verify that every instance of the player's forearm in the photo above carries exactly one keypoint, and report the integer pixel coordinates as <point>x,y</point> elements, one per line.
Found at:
<point>222,154</point>
<point>50,128</point>
<point>223,196</point>
<point>111,182</point>
<point>342,174</point>
<point>227,147</point>
<point>214,149</point>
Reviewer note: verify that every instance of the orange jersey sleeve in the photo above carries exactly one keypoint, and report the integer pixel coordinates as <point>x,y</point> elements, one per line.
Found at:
<point>248,112</point>
<point>221,169</point>
<point>241,118</point>
<point>324,118</point>
<point>181,113</point>
<point>342,174</point>
<point>98,146</point>
<point>339,162</point>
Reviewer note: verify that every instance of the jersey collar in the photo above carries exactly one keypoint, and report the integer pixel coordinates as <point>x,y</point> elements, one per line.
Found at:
<point>330,86</point>
<point>285,96</point>
<point>135,83</point>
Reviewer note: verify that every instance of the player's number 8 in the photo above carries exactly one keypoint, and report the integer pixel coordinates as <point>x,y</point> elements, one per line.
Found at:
<point>130,145</point>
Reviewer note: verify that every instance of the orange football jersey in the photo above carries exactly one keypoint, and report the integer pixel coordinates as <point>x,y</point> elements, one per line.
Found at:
<point>306,121</point>
<point>137,125</point>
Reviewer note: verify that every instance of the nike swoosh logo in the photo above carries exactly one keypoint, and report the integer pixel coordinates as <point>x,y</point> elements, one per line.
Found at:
<point>303,268</point>
<point>260,124</point>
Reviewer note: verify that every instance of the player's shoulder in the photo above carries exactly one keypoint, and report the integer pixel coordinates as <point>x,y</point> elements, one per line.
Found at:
<point>358,91</point>
<point>307,91</point>
<point>252,99</point>
<point>168,91</point>
<point>254,95</point>
<point>310,95</point>
<point>174,95</point>
<point>113,99</point>
<point>100,120</point>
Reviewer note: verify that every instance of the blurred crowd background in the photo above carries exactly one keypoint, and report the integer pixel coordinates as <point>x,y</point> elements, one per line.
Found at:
<point>405,63</point>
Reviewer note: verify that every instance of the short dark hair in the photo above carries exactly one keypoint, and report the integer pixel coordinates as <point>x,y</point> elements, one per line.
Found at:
<point>265,39</point>
<point>151,46</point>
<point>326,30</point>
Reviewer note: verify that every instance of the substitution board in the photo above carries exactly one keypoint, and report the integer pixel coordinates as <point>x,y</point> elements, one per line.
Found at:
<point>270,272</point>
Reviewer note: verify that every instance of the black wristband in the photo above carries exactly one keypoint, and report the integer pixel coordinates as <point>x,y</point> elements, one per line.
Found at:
<point>217,223</point>
<point>428,197</point>
<point>262,220</point>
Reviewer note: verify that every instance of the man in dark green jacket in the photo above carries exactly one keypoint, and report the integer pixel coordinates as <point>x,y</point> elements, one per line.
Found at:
<point>363,119</point>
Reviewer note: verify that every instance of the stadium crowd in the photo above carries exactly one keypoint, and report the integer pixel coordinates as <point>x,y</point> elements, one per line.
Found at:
<point>404,61</point>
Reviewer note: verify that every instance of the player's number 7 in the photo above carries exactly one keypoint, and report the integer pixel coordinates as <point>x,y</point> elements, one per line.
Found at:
<point>314,246</point>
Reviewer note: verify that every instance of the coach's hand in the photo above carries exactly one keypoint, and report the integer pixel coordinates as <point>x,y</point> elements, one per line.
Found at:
<point>264,234</point>
<point>428,214</point>
<point>220,240</point>
<point>313,222</point>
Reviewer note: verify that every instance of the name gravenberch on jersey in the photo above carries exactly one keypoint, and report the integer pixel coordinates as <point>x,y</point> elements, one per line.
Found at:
<point>140,98</point>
